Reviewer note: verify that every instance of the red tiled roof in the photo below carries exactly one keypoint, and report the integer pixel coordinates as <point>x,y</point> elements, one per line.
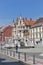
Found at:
<point>29,22</point>
<point>39,22</point>
<point>8,31</point>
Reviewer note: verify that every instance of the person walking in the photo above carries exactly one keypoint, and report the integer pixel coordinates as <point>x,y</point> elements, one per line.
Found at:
<point>16,48</point>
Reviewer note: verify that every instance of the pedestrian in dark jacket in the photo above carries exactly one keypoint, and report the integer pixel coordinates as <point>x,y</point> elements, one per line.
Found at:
<point>16,48</point>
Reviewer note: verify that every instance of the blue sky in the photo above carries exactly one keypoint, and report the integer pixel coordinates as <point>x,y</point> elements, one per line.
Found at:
<point>11,9</point>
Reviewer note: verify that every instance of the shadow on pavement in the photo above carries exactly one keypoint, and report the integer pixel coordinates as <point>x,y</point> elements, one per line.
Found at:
<point>10,63</point>
<point>1,59</point>
<point>13,63</point>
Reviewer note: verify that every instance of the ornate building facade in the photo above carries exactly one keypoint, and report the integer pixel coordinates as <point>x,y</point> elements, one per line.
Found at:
<point>21,28</point>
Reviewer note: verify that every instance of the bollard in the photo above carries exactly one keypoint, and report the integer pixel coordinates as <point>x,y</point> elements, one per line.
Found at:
<point>3,50</point>
<point>33,59</point>
<point>7,52</point>
<point>25,56</point>
<point>10,52</point>
<point>18,55</point>
<point>13,53</point>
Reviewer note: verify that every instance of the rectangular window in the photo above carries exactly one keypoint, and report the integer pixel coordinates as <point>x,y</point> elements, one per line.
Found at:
<point>34,29</point>
<point>38,35</point>
<point>41,34</point>
<point>32,35</point>
<point>41,29</point>
<point>35,35</point>
<point>38,29</point>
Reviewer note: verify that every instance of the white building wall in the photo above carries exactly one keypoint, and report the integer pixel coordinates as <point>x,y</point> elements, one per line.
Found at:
<point>34,30</point>
<point>41,28</point>
<point>36,33</point>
